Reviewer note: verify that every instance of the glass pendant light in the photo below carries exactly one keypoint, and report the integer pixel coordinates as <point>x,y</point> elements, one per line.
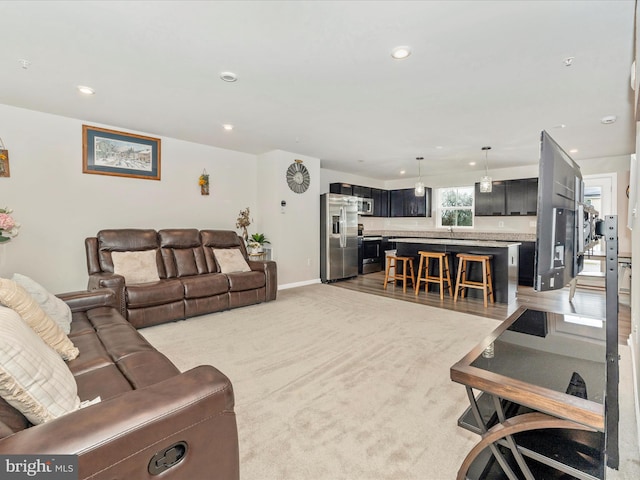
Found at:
<point>419,189</point>
<point>486,181</point>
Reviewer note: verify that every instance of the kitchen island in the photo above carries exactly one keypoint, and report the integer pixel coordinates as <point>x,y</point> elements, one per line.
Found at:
<point>504,265</point>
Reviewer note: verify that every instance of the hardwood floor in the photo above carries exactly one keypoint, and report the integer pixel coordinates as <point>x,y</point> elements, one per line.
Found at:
<point>587,301</point>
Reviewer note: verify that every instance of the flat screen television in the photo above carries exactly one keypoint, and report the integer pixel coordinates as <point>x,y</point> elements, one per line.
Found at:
<point>559,229</point>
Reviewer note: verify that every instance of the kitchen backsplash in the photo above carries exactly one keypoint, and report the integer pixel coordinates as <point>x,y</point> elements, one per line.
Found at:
<point>493,228</point>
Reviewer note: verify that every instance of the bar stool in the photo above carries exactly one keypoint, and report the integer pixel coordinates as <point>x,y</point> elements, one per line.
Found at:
<point>440,279</point>
<point>462,281</point>
<point>392,262</point>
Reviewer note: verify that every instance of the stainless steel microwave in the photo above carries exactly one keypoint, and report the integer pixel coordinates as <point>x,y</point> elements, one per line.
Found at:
<point>365,206</point>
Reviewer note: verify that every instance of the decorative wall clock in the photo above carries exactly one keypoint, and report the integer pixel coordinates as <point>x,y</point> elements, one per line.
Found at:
<point>298,177</point>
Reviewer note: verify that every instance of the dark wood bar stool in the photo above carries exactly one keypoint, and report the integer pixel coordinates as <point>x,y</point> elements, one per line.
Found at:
<point>463,282</point>
<point>443,272</point>
<point>407,265</point>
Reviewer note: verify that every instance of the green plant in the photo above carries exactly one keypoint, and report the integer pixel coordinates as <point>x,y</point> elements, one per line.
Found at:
<point>258,238</point>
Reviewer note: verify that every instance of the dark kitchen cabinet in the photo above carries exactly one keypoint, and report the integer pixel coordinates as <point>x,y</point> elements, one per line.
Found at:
<point>404,203</point>
<point>526,263</point>
<point>341,188</point>
<point>492,203</point>
<point>380,202</point>
<point>360,191</point>
<point>522,196</point>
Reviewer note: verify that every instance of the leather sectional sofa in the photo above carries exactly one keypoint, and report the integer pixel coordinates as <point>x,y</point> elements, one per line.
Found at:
<point>152,421</point>
<point>190,280</point>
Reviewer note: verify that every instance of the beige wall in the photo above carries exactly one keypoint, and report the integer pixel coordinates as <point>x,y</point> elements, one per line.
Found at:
<point>59,206</point>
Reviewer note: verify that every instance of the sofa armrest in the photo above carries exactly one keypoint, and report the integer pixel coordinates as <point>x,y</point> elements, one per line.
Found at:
<point>271,273</point>
<point>114,282</point>
<point>117,438</point>
<point>84,300</point>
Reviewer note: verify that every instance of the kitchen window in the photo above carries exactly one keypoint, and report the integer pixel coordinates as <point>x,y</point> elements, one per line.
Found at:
<point>455,207</point>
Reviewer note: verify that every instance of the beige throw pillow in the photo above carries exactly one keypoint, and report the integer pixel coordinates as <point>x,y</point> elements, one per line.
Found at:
<point>136,267</point>
<point>15,297</point>
<point>33,378</point>
<point>58,310</point>
<point>231,260</point>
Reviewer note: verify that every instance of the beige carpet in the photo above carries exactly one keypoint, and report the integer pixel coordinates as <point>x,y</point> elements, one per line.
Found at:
<point>335,384</point>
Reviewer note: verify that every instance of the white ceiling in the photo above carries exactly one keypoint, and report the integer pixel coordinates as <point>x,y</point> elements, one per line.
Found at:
<point>316,77</point>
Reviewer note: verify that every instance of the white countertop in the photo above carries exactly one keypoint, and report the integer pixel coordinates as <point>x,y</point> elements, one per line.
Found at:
<point>454,241</point>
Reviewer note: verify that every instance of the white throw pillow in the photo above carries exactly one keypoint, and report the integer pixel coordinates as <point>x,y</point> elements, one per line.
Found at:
<point>231,260</point>
<point>136,267</point>
<point>58,310</point>
<point>33,378</point>
<point>15,297</point>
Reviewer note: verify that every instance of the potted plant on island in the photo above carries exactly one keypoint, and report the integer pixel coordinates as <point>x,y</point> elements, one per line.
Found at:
<point>256,243</point>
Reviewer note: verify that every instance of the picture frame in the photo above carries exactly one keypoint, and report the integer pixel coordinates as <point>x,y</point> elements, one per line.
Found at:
<point>4,163</point>
<point>110,152</point>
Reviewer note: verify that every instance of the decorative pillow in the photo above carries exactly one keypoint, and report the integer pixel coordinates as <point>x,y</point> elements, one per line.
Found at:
<point>136,267</point>
<point>15,297</point>
<point>231,260</point>
<point>33,378</point>
<point>58,310</point>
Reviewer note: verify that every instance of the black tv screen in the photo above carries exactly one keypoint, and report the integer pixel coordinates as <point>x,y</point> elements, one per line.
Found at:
<point>560,217</point>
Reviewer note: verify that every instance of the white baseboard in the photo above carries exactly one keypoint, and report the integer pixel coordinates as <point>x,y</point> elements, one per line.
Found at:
<point>636,395</point>
<point>298,284</point>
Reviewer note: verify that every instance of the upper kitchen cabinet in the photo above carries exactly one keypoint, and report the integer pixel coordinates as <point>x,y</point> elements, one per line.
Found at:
<point>492,203</point>
<point>380,202</point>
<point>404,203</point>
<point>341,188</point>
<point>360,191</point>
<point>522,196</point>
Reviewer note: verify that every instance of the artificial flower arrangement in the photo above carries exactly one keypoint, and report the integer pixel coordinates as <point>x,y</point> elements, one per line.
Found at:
<point>203,181</point>
<point>8,226</point>
<point>256,242</point>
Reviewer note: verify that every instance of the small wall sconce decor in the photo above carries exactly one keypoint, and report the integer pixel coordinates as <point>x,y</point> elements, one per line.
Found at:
<point>203,181</point>
<point>4,160</point>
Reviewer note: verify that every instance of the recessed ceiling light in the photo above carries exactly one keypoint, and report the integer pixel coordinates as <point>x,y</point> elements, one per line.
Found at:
<point>472,163</point>
<point>402,172</point>
<point>561,125</point>
<point>86,90</point>
<point>439,147</point>
<point>400,52</point>
<point>228,127</point>
<point>573,150</point>
<point>228,76</point>
<point>609,119</point>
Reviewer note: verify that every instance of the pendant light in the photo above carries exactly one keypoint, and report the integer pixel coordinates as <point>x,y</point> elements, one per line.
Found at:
<point>485,181</point>
<point>419,190</point>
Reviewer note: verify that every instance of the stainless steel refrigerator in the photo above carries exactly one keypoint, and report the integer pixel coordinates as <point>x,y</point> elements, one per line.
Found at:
<point>338,237</point>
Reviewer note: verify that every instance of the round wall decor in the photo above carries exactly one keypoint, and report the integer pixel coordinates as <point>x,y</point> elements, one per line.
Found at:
<point>298,177</point>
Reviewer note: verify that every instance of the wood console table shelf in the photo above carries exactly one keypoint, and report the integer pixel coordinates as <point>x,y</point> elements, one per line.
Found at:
<point>517,381</point>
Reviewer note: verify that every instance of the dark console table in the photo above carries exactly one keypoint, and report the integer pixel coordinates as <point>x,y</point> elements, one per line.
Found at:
<point>536,388</point>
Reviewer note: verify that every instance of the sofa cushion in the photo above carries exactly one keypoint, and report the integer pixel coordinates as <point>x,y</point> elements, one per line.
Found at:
<point>245,281</point>
<point>158,293</point>
<point>231,260</point>
<point>201,286</point>
<point>58,310</point>
<point>33,378</point>
<point>15,297</point>
<point>136,267</point>
<point>182,252</point>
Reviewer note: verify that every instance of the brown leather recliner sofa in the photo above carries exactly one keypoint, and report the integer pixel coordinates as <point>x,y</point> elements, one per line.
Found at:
<point>152,421</point>
<point>190,279</point>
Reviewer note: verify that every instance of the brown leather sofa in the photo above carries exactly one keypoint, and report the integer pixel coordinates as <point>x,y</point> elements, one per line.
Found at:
<point>152,421</point>
<point>190,280</point>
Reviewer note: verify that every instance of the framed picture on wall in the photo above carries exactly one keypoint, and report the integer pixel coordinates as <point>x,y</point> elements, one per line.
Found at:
<point>4,163</point>
<point>109,152</point>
